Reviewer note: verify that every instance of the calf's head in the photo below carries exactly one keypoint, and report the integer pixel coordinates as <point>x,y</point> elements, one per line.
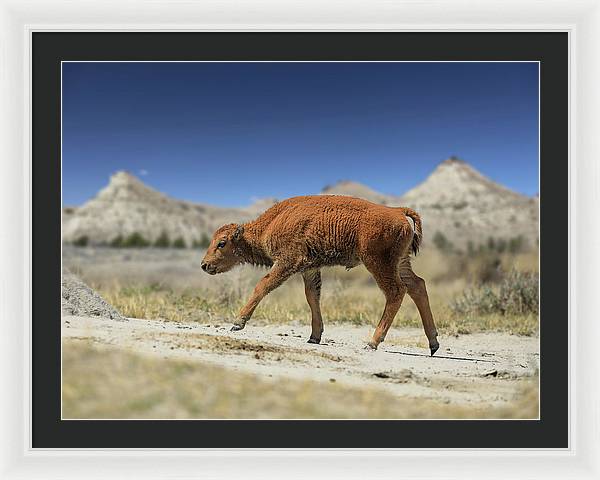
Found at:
<point>221,255</point>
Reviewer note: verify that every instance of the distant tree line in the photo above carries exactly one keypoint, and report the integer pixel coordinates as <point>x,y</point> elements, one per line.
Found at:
<point>137,240</point>
<point>493,245</point>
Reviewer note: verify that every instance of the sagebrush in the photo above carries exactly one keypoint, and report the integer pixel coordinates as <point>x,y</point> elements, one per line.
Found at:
<point>516,294</point>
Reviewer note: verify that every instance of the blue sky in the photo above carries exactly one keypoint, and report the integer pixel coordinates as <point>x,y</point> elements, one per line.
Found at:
<point>226,133</point>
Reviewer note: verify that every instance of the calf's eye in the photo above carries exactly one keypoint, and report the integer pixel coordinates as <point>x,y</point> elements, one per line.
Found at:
<point>221,244</point>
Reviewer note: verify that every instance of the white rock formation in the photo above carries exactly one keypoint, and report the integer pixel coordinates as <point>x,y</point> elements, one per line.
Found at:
<point>455,200</point>
<point>128,206</point>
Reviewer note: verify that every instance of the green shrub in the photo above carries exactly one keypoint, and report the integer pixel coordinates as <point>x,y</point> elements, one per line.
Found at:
<point>204,241</point>
<point>179,242</point>
<point>117,242</point>
<point>135,240</point>
<point>516,294</point>
<point>442,243</point>
<point>163,241</point>
<point>470,247</point>
<point>501,245</point>
<point>81,241</point>
<point>517,244</point>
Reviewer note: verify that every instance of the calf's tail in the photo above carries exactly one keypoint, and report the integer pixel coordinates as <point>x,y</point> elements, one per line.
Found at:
<point>418,233</point>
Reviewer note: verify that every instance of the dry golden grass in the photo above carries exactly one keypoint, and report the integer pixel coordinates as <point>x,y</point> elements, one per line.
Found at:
<point>348,296</point>
<point>361,308</point>
<point>105,382</point>
<point>171,286</point>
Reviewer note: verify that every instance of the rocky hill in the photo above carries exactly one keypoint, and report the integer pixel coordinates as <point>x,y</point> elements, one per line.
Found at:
<point>457,204</point>
<point>355,189</point>
<point>465,206</point>
<point>461,207</point>
<point>127,206</point>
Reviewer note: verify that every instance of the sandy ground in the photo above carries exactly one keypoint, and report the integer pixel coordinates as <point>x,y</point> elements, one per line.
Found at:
<point>467,370</point>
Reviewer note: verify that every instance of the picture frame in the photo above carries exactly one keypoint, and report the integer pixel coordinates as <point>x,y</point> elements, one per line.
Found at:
<point>551,49</point>
<point>22,460</point>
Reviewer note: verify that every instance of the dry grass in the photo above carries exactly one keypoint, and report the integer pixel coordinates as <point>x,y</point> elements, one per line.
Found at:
<point>358,307</point>
<point>105,382</point>
<point>170,286</point>
<point>516,294</point>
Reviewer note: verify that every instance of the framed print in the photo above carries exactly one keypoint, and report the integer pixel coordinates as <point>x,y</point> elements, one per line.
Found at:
<point>287,244</point>
<point>154,282</point>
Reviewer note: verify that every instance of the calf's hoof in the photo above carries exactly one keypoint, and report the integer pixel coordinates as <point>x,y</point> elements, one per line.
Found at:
<point>370,346</point>
<point>235,327</point>
<point>314,340</point>
<point>434,348</point>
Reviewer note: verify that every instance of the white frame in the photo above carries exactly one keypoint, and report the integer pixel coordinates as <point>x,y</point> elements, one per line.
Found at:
<point>581,18</point>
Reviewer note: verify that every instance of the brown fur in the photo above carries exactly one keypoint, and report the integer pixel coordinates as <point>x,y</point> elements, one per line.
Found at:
<point>304,234</point>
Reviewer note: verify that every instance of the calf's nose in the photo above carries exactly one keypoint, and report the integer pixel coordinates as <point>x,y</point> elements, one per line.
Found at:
<point>204,266</point>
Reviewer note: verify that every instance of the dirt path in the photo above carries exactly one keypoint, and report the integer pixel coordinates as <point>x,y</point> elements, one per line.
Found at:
<point>469,369</point>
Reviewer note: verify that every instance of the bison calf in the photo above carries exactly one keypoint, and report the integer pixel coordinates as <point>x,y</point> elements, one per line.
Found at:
<point>304,234</point>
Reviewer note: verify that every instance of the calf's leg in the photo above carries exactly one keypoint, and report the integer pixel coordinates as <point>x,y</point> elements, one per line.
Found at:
<point>312,289</point>
<point>394,290</point>
<point>272,280</point>
<point>415,286</point>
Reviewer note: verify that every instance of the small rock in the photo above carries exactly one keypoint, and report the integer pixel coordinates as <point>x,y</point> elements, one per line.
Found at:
<point>507,375</point>
<point>491,373</point>
<point>332,380</point>
<point>401,376</point>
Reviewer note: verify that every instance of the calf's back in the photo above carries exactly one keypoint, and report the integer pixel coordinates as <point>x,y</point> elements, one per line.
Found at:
<point>333,230</point>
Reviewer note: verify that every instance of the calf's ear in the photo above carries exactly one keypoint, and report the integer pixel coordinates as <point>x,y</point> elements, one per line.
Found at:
<point>239,231</point>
